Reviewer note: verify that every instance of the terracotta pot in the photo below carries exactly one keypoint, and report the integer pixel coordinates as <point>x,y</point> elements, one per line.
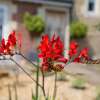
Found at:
<point>34,34</point>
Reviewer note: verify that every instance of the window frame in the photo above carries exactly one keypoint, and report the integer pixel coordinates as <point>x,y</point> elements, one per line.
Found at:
<point>91,13</point>
<point>4,7</point>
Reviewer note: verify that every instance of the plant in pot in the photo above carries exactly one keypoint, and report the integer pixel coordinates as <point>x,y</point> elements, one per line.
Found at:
<point>78,30</point>
<point>34,24</point>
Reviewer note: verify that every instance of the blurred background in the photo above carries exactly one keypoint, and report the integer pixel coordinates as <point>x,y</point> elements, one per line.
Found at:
<point>35,17</point>
<point>77,20</point>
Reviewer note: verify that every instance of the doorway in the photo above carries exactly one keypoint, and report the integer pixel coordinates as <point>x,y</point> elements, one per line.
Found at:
<point>56,22</point>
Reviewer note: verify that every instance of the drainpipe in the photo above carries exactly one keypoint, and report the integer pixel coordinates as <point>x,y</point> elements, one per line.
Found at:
<point>67,33</point>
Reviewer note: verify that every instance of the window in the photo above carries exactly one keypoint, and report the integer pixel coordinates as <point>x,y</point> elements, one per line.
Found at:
<point>91,5</point>
<point>1,21</point>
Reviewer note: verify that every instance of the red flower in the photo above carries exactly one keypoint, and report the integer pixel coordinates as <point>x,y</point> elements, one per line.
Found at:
<point>72,52</point>
<point>84,53</point>
<point>12,39</point>
<point>2,46</point>
<point>73,49</point>
<point>51,50</point>
<point>73,45</point>
<point>6,48</point>
<point>77,60</point>
<point>64,60</point>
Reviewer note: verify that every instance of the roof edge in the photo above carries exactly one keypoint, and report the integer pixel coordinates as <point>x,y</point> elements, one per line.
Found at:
<point>48,3</point>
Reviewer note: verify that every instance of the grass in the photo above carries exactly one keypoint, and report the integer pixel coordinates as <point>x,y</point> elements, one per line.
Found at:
<point>78,83</point>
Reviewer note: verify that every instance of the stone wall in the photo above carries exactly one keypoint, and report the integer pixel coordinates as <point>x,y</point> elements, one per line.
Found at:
<point>80,12</point>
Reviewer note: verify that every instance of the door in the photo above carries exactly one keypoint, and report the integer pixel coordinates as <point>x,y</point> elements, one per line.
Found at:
<point>55,22</point>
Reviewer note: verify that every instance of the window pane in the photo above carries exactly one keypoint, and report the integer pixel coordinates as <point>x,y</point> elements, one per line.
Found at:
<point>91,5</point>
<point>1,21</point>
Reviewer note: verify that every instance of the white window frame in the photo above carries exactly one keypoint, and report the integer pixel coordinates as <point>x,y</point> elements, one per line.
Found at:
<point>5,19</point>
<point>90,13</point>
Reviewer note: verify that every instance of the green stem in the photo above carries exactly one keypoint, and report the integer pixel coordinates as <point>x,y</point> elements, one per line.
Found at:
<point>26,72</point>
<point>43,85</point>
<point>15,87</point>
<point>27,59</point>
<point>9,91</point>
<point>55,86</point>
<point>37,81</point>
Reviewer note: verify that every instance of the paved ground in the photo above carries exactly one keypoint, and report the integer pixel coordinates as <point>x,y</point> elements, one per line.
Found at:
<point>26,86</point>
<point>90,72</point>
<point>24,90</point>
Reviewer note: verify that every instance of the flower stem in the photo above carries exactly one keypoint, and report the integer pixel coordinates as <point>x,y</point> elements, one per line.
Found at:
<point>43,85</point>
<point>26,72</point>
<point>55,86</point>
<point>27,59</point>
<point>9,91</point>
<point>37,81</point>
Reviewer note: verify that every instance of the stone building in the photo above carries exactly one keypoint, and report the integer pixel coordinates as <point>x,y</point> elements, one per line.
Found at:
<point>56,14</point>
<point>88,11</point>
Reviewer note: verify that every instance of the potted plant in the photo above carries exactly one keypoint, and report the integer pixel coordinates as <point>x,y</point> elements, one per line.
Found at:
<point>78,30</point>
<point>34,24</point>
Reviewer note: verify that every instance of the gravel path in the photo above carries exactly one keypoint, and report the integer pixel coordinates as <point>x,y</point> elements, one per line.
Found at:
<point>88,71</point>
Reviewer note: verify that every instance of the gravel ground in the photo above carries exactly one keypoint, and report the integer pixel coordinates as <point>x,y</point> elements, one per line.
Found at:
<point>65,90</point>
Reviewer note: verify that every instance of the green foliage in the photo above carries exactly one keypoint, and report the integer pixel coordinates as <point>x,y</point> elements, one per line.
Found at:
<point>41,98</point>
<point>34,23</point>
<point>78,83</point>
<point>78,29</point>
<point>34,97</point>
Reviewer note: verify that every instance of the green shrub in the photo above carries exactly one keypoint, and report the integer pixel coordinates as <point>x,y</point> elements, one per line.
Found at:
<point>78,29</point>
<point>78,83</point>
<point>34,24</point>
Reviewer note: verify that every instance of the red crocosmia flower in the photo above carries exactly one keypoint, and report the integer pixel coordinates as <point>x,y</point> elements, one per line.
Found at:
<point>3,43</point>
<point>40,55</point>
<point>77,60</point>
<point>44,44</point>
<point>64,60</point>
<point>73,49</point>
<point>84,53</point>
<point>72,52</point>
<point>53,38</point>
<point>6,47</point>
<point>12,39</point>
<point>51,50</point>
<point>2,46</point>
<point>73,45</point>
